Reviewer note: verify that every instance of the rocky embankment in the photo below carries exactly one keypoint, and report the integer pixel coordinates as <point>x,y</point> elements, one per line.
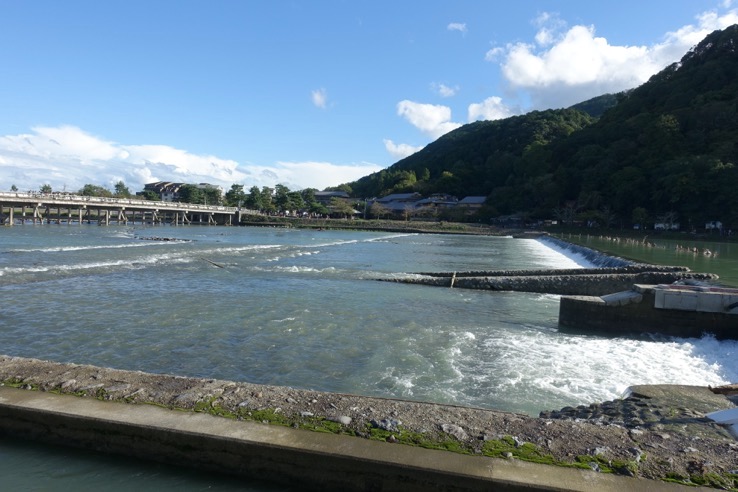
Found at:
<point>658,432</point>
<point>582,281</point>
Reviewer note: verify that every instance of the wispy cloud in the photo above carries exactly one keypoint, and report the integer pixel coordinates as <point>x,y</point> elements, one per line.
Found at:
<point>67,158</point>
<point>320,98</point>
<point>444,90</point>
<point>457,26</point>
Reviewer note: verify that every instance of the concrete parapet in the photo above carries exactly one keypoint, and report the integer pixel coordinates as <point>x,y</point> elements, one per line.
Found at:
<point>311,460</point>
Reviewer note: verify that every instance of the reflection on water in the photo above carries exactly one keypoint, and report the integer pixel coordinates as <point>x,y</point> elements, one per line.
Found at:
<point>26,466</point>
<point>701,256</point>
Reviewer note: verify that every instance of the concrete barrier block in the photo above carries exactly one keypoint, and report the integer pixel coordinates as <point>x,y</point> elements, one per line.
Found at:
<point>622,298</point>
<point>684,301</point>
<point>710,302</point>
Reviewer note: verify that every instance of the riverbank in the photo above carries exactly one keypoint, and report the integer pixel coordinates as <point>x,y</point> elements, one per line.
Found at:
<point>419,227</point>
<point>657,433</point>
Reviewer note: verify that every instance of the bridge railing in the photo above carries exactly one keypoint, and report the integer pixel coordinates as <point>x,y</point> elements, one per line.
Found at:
<point>70,198</point>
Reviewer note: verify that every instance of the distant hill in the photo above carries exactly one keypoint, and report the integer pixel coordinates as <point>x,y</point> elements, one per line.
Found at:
<point>668,147</point>
<point>596,106</point>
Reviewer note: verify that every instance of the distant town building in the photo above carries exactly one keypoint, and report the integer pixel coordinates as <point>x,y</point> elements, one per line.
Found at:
<point>472,203</point>
<point>324,197</point>
<point>167,191</point>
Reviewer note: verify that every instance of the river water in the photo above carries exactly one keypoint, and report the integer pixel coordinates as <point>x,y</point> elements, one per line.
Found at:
<point>304,309</point>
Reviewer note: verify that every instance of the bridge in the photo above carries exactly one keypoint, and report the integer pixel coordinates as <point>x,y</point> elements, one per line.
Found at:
<point>33,207</point>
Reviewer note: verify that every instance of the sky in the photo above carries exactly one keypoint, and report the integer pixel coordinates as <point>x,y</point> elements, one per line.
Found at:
<point>301,93</point>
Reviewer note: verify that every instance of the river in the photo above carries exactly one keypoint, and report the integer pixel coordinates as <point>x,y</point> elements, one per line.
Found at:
<point>304,308</point>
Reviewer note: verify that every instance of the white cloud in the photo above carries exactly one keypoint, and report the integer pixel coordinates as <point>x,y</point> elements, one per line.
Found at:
<point>566,66</point>
<point>400,151</point>
<point>444,90</point>
<point>457,26</point>
<point>311,174</point>
<point>433,120</point>
<point>320,98</point>
<point>491,108</point>
<point>68,158</point>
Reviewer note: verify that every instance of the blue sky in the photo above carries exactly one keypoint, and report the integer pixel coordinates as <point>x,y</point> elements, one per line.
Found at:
<point>307,94</point>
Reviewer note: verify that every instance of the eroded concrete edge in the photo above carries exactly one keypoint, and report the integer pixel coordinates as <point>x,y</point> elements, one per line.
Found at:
<point>290,456</point>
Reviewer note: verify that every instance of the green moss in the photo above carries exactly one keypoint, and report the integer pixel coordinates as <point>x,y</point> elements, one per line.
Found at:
<point>269,416</point>
<point>20,384</point>
<point>418,439</point>
<point>507,447</point>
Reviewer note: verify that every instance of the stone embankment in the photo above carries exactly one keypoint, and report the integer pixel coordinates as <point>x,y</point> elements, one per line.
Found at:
<point>583,281</point>
<point>657,433</point>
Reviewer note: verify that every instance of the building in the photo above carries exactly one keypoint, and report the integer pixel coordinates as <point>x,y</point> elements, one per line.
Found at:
<point>324,197</point>
<point>167,191</point>
<point>472,204</point>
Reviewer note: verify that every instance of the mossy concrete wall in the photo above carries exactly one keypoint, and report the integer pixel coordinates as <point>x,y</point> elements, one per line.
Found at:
<point>308,460</point>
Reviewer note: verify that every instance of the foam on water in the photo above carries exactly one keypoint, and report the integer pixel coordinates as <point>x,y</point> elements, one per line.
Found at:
<point>57,249</point>
<point>553,256</point>
<point>582,369</point>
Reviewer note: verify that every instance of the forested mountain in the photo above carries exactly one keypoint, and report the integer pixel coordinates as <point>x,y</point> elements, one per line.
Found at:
<point>668,147</point>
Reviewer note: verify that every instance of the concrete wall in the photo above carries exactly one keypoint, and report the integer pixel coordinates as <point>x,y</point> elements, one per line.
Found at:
<point>300,459</point>
<point>592,314</point>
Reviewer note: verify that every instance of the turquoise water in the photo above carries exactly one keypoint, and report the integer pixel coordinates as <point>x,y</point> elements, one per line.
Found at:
<point>703,256</point>
<point>304,309</point>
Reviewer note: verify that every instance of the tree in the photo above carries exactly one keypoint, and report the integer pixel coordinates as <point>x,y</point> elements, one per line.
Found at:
<point>378,211</point>
<point>308,198</point>
<point>235,197</point>
<point>253,199</point>
<point>190,194</point>
<point>340,207</point>
<point>150,195</point>
<point>607,216</point>
<point>640,216</point>
<point>211,195</point>
<point>121,190</point>
<point>566,214</point>
<point>267,197</point>
<point>281,197</point>
<point>296,201</point>
<point>46,188</point>
<point>95,190</point>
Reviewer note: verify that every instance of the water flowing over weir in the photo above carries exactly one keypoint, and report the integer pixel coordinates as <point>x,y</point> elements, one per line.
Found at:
<point>300,308</point>
<point>610,275</point>
<point>591,256</point>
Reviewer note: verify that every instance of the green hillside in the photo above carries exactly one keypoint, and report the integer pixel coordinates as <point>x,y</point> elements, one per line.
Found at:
<point>665,149</point>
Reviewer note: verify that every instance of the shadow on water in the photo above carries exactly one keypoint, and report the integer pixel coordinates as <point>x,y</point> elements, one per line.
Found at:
<point>54,467</point>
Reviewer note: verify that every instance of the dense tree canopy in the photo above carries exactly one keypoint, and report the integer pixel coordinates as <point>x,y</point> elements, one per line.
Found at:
<point>669,146</point>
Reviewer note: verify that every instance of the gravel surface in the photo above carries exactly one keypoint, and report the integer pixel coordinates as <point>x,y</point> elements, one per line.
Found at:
<point>657,432</point>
